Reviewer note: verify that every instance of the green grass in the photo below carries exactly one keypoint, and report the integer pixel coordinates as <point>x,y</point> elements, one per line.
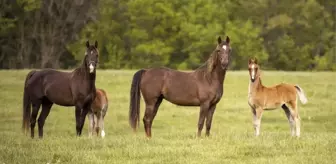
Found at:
<point>174,129</point>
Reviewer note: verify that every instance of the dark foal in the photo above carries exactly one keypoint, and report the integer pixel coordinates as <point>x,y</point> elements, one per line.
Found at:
<point>202,87</point>
<point>47,87</point>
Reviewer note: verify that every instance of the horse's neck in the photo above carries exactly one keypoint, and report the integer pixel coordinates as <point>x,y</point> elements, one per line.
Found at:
<point>217,74</point>
<point>255,86</point>
<point>220,74</point>
<point>88,77</point>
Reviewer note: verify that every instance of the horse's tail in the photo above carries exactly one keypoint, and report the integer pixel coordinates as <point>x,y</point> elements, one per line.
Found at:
<point>134,110</point>
<point>301,94</point>
<point>26,104</point>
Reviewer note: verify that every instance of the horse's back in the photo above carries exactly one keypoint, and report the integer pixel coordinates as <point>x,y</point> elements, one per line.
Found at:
<point>280,93</point>
<point>102,94</point>
<point>53,84</point>
<point>176,86</point>
<point>285,88</point>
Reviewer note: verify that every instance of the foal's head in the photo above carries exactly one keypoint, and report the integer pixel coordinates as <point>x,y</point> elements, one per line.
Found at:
<point>91,56</point>
<point>253,68</point>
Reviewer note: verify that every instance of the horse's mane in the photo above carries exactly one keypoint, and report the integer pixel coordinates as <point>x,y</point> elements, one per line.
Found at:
<point>207,68</point>
<point>81,69</point>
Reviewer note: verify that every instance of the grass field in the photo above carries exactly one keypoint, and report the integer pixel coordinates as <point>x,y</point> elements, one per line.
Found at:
<point>174,129</point>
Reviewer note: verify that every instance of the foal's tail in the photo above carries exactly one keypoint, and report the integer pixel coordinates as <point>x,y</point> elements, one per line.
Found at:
<point>301,94</point>
<point>26,104</point>
<point>134,110</point>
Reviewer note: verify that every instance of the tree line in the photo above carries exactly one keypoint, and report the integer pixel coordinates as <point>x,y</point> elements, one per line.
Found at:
<point>180,34</point>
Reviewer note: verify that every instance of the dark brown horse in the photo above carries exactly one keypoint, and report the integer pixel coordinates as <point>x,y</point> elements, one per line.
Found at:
<point>48,86</point>
<point>203,87</point>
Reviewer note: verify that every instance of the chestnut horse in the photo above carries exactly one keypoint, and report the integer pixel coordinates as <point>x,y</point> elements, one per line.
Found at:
<point>202,87</point>
<point>48,86</point>
<point>283,95</point>
<point>97,113</point>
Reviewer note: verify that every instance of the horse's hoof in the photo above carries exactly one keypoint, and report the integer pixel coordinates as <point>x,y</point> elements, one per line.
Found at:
<point>103,134</point>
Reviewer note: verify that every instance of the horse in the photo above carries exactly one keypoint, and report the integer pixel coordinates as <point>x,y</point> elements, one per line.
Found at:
<point>97,113</point>
<point>202,87</point>
<point>48,86</point>
<point>283,95</point>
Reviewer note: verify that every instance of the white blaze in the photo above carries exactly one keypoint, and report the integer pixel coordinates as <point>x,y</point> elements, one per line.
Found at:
<point>224,47</point>
<point>252,72</point>
<point>91,68</point>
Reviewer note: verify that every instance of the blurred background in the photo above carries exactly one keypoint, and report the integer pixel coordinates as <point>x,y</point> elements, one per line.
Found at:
<point>284,34</point>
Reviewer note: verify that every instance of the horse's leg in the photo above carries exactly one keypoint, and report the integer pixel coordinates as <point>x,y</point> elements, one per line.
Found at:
<point>97,126</point>
<point>295,114</point>
<point>203,112</point>
<point>209,119</point>
<point>103,113</point>
<point>82,117</point>
<point>78,111</point>
<point>151,110</point>
<point>297,124</point>
<point>91,123</point>
<point>101,124</point>
<point>290,119</point>
<point>46,106</point>
<point>257,114</point>
<point>36,106</point>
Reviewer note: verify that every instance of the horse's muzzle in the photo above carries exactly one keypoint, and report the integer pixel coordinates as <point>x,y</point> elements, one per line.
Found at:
<point>91,67</point>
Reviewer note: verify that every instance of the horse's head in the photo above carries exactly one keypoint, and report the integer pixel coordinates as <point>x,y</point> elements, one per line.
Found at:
<point>253,68</point>
<point>91,56</point>
<point>223,51</point>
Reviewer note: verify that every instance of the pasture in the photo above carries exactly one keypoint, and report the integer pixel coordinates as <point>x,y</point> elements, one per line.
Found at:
<point>174,129</point>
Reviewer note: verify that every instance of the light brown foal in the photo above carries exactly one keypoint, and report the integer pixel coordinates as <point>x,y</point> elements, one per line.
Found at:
<point>98,111</point>
<point>283,95</point>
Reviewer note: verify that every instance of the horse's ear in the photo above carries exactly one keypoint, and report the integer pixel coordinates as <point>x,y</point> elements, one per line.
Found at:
<point>227,40</point>
<point>87,44</point>
<point>255,60</point>
<point>96,44</point>
<point>219,40</point>
<point>250,61</point>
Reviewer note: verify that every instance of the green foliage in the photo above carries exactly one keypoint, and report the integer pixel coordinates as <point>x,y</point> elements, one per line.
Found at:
<point>246,43</point>
<point>284,35</point>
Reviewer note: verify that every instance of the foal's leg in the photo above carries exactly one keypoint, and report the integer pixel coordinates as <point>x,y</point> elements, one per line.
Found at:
<point>203,112</point>
<point>257,114</point>
<point>103,113</point>
<point>91,123</point>
<point>36,106</point>
<point>152,107</point>
<point>295,114</point>
<point>209,119</point>
<point>101,124</point>
<point>97,119</point>
<point>46,106</point>
<point>290,119</point>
